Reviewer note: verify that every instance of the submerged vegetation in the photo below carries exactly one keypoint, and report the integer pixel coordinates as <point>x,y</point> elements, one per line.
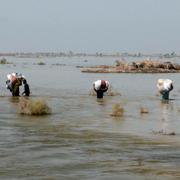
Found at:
<point>144,110</point>
<point>117,110</point>
<point>33,107</point>
<point>58,64</point>
<point>165,132</point>
<point>41,63</point>
<point>4,61</point>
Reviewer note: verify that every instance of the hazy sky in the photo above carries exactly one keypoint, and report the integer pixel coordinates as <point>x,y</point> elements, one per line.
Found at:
<point>90,25</point>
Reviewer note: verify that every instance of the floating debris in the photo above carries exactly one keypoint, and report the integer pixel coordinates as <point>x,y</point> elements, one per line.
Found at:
<point>79,66</point>
<point>163,132</point>
<point>144,110</point>
<point>59,64</point>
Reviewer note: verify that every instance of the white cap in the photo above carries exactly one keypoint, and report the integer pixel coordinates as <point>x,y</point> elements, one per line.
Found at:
<point>9,76</point>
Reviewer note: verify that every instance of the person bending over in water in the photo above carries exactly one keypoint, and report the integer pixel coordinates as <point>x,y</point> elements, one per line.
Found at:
<point>13,83</point>
<point>26,88</point>
<point>100,86</point>
<point>165,86</point>
<point>15,86</point>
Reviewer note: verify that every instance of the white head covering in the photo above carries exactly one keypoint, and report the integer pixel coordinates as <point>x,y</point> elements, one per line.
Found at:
<point>9,76</point>
<point>107,84</point>
<point>14,74</point>
<point>97,84</point>
<point>164,85</point>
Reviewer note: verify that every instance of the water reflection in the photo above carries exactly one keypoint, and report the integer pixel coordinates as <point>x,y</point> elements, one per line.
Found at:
<point>167,121</point>
<point>14,99</point>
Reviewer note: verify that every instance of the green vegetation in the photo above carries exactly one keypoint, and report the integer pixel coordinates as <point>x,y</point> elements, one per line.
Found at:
<point>4,61</point>
<point>41,63</point>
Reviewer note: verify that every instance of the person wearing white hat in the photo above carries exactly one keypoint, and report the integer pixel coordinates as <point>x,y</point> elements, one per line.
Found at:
<point>164,87</point>
<point>100,86</point>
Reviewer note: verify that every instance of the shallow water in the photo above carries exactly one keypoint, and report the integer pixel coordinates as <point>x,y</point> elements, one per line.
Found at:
<point>80,140</point>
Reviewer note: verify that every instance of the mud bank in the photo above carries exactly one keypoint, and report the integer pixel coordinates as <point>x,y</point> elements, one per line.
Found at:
<point>145,66</point>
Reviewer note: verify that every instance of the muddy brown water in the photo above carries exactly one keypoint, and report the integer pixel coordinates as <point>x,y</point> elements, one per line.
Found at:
<point>80,140</point>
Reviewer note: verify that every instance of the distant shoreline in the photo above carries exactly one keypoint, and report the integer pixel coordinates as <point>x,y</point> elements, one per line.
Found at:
<point>97,54</point>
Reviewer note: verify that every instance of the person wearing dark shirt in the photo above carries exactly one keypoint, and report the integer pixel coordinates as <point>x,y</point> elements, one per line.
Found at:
<point>26,88</point>
<point>100,93</point>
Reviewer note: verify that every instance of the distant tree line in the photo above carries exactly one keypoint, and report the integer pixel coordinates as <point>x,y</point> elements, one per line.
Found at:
<point>97,54</point>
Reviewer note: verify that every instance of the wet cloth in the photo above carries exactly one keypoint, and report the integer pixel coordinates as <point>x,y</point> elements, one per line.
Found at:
<point>164,87</point>
<point>100,86</point>
<point>9,85</point>
<point>100,93</point>
<point>15,87</point>
<point>13,82</point>
<point>26,90</point>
